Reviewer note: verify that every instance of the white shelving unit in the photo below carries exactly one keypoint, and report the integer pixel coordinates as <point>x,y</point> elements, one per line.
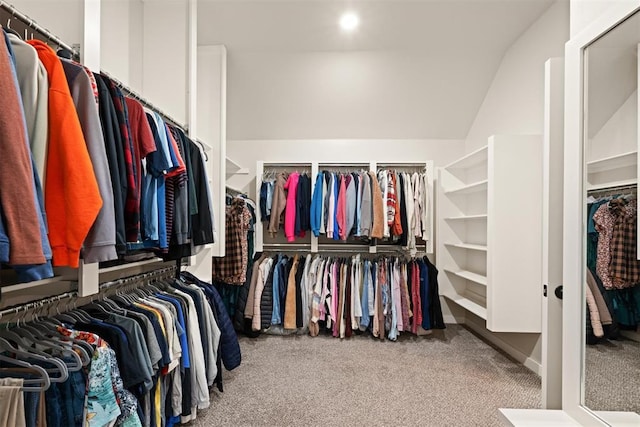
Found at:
<point>468,246</point>
<point>315,244</point>
<point>489,233</point>
<point>612,171</point>
<point>233,168</point>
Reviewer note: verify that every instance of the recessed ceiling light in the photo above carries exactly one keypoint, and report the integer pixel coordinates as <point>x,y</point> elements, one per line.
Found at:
<point>349,21</point>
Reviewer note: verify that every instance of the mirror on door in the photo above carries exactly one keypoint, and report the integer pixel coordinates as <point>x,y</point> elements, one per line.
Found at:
<point>611,375</point>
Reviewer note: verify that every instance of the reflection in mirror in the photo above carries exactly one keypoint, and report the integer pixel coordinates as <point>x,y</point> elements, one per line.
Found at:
<point>611,377</point>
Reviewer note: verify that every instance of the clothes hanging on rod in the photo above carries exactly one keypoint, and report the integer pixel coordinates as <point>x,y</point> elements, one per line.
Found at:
<point>285,202</point>
<point>343,296</point>
<point>613,271</point>
<point>26,27</point>
<point>240,218</point>
<point>156,347</point>
<point>393,205</point>
<point>94,174</point>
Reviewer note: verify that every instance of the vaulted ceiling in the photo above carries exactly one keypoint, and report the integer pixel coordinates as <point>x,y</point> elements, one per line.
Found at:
<point>449,49</point>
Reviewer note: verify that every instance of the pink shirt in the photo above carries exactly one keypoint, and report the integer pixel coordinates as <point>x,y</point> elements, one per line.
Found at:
<point>341,209</point>
<point>290,209</point>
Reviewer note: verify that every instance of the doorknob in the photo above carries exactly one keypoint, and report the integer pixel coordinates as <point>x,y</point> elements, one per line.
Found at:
<point>558,292</point>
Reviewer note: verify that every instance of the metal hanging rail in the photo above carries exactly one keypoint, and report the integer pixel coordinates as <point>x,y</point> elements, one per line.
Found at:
<point>36,304</point>
<point>166,117</point>
<point>166,272</point>
<point>15,13</point>
<point>614,190</point>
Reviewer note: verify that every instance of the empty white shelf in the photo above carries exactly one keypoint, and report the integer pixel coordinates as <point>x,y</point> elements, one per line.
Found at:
<point>470,305</point>
<point>466,217</point>
<point>233,168</point>
<point>474,277</point>
<point>475,187</point>
<point>611,184</point>
<point>482,248</point>
<point>474,158</point>
<point>614,162</point>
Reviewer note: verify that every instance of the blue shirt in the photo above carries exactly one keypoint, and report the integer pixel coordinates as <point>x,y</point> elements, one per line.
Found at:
<point>364,302</point>
<point>316,205</point>
<point>186,361</point>
<point>275,316</point>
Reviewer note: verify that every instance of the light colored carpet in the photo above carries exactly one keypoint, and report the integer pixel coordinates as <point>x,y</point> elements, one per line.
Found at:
<point>612,373</point>
<point>449,379</point>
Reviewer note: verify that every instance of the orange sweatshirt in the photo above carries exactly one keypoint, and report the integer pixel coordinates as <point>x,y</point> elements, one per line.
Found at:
<point>379,212</point>
<point>72,197</point>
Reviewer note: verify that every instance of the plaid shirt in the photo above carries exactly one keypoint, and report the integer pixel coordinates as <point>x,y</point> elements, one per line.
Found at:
<point>624,267</point>
<point>603,220</point>
<point>132,203</point>
<point>232,268</point>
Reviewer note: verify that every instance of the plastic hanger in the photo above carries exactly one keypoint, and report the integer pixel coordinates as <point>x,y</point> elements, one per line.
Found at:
<point>59,342</point>
<point>32,354</point>
<point>11,30</point>
<point>32,384</point>
<point>63,347</point>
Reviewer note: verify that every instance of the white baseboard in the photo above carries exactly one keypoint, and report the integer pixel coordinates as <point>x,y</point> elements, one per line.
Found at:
<point>527,361</point>
<point>448,318</point>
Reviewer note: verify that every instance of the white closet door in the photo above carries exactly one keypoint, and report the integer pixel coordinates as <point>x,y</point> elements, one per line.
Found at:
<point>552,200</point>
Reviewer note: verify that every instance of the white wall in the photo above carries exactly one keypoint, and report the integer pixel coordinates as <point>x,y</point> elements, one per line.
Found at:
<point>65,19</point>
<point>165,58</point>
<point>514,103</point>
<point>350,94</point>
<point>114,36</point>
<point>584,12</point>
<point>619,134</point>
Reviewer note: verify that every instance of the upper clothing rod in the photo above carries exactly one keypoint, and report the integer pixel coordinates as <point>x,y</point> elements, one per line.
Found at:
<point>401,165</point>
<point>38,303</point>
<point>165,271</point>
<point>614,189</point>
<point>15,13</point>
<point>145,102</point>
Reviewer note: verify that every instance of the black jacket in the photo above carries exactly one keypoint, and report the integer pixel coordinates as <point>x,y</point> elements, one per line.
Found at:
<point>435,309</point>
<point>115,157</point>
<point>266,301</point>
<point>229,346</point>
<point>202,226</point>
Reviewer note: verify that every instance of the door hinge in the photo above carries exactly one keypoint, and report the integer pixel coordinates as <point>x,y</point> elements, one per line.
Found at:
<point>544,290</point>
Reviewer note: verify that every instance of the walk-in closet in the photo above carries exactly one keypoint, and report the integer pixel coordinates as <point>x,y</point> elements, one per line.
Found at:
<point>307,213</point>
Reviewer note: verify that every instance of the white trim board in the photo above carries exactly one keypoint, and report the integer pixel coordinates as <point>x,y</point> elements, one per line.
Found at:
<point>527,361</point>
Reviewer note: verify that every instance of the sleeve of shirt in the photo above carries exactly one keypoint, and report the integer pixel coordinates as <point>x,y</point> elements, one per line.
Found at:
<point>99,244</point>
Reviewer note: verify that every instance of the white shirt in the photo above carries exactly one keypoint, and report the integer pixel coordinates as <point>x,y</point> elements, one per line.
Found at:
<point>199,387</point>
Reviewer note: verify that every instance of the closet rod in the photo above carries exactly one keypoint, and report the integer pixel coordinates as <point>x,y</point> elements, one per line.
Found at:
<point>135,95</point>
<point>401,165</point>
<point>287,245</point>
<point>613,190</point>
<point>35,304</point>
<point>167,271</point>
<point>358,249</point>
<point>161,272</point>
<point>233,191</point>
<point>342,165</point>
<point>15,13</point>
<point>296,165</point>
